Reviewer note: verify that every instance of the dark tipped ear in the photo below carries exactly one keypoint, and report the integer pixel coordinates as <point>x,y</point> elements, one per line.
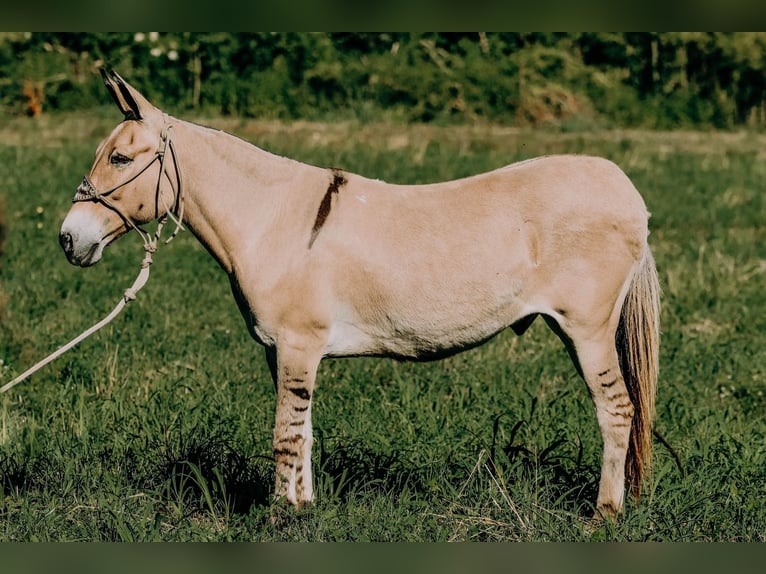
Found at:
<point>130,101</point>
<point>128,107</point>
<point>128,94</point>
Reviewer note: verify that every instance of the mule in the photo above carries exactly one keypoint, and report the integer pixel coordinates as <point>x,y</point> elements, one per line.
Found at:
<point>327,263</point>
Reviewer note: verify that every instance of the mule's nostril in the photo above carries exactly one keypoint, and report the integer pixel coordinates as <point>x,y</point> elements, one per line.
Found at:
<point>65,240</point>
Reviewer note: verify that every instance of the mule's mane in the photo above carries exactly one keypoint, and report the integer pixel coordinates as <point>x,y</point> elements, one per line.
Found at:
<point>240,141</point>
<point>250,146</point>
<point>211,129</point>
<point>217,131</point>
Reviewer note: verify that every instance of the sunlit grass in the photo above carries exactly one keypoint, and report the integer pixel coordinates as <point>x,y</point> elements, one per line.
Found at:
<point>159,427</point>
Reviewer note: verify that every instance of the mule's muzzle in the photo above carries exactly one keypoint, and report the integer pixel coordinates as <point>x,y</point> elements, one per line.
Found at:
<point>81,240</point>
<point>80,257</point>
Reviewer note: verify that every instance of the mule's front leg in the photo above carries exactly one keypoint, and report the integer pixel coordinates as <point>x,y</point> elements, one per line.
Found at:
<point>295,372</point>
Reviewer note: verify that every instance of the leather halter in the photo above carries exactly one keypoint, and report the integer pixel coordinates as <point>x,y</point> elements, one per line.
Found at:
<point>86,191</point>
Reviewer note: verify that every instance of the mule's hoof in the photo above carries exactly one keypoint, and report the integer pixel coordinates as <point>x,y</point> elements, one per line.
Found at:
<point>605,513</point>
<point>283,510</point>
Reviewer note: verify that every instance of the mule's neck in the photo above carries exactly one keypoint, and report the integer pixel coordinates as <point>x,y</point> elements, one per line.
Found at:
<point>233,191</point>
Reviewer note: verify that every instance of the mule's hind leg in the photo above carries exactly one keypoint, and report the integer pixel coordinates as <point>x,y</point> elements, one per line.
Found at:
<point>595,355</point>
<point>614,410</point>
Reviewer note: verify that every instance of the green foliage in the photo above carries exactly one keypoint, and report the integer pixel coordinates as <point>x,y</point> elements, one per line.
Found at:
<point>661,80</point>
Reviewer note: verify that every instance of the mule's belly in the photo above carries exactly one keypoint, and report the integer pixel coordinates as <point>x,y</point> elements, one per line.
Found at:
<point>425,333</point>
<point>433,295</point>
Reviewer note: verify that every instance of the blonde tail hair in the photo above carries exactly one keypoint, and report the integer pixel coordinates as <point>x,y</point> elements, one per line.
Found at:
<point>638,343</point>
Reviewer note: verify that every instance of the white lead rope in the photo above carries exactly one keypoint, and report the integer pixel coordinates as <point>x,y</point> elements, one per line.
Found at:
<point>128,296</point>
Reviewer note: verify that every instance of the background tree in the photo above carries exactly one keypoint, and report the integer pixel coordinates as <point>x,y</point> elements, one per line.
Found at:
<point>642,79</point>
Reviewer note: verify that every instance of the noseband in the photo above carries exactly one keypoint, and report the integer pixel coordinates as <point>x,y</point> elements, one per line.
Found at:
<point>86,191</point>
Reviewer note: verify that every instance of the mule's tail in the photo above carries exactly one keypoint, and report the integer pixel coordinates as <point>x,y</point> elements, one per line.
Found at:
<point>638,342</point>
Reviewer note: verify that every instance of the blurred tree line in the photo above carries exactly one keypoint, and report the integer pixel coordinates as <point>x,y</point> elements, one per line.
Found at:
<point>657,80</point>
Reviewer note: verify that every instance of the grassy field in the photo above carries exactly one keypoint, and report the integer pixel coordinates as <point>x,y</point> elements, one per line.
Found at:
<point>159,427</point>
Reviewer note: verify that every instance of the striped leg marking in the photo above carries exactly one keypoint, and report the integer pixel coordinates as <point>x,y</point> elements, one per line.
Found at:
<point>293,434</point>
<point>614,410</point>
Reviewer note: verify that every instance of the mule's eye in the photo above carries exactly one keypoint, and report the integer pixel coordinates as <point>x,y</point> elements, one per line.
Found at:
<point>119,160</point>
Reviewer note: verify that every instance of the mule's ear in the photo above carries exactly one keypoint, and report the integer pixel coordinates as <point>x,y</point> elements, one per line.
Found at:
<point>132,104</point>
<point>115,93</point>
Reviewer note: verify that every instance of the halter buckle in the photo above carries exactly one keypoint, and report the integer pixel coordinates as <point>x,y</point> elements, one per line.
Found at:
<point>164,137</point>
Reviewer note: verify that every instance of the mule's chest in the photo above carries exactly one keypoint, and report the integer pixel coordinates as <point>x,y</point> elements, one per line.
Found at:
<point>258,330</point>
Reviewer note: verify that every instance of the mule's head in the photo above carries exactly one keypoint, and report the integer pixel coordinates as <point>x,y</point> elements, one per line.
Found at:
<point>125,187</point>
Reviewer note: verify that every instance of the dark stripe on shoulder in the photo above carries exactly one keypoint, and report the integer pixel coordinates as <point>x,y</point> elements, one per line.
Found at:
<point>338,180</point>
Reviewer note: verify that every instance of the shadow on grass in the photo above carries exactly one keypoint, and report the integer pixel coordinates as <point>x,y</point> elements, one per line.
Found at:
<point>16,475</point>
<point>198,465</point>
<point>204,469</point>
<point>556,469</point>
<point>555,475</point>
<point>210,466</point>
<point>193,469</point>
<point>344,468</point>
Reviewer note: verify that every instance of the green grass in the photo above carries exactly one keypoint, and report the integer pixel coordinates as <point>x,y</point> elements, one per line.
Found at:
<point>159,427</point>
